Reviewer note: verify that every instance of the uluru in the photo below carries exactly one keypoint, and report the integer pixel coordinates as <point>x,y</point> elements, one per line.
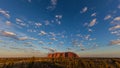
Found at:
<point>63,55</point>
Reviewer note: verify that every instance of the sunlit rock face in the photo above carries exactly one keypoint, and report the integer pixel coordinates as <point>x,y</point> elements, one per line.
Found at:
<point>63,55</point>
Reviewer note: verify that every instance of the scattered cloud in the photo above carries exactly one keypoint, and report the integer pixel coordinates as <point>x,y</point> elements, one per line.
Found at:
<point>30,45</point>
<point>52,34</point>
<point>87,37</point>
<point>90,30</point>
<point>54,39</point>
<point>116,22</point>
<point>50,49</point>
<point>82,49</point>
<point>117,19</point>
<point>31,30</point>
<point>50,43</point>
<point>93,22</point>
<point>14,35</point>
<point>79,35</point>
<point>38,24</point>
<point>69,49</point>
<point>93,15</point>
<point>29,1</point>
<point>53,4</point>
<point>18,20</point>
<point>8,23</point>
<point>62,36</point>
<point>41,42</point>
<point>23,38</point>
<point>91,39</point>
<point>42,33</point>
<point>31,38</point>
<point>8,34</point>
<point>47,22</point>
<point>84,10</point>
<point>27,43</point>
<point>17,48</point>
<point>5,13</point>
<point>75,43</point>
<point>58,16</point>
<point>114,27</point>
<point>61,43</point>
<point>116,32</point>
<point>107,17</point>
<point>85,24</point>
<point>115,42</point>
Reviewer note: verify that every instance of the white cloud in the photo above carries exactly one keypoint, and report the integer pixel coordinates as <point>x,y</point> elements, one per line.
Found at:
<point>84,10</point>
<point>8,23</point>
<point>5,13</point>
<point>75,43</point>
<point>54,39</point>
<point>115,27</point>
<point>50,49</point>
<point>91,39</point>
<point>117,19</point>
<point>30,30</point>
<point>18,20</point>
<point>11,47</point>
<point>59,22</point>
<point>31,38</point>
<point>27,43</point>
<point>79,35</point>
<point>85,24</point>
<point>62,36</point>
<point>87,37</point>
<point>29,1</point>
<point>90,30</point>
<point>23,38</point>
<point>118,6</point>
<point>14,35</point>
<point>93,15</point>
<point>53,4</point>
<point>50,43</point>
<point>115,32</point>
<point>58,16</point>
<point>53,34</point>
<point>61,43</point>
<point>38,24</point>
<point>82,49</point>
<point>69,49</point>
<point>115,42</point>
<point>93,22</point>
<point>107,17</point>
<point>42,33</point>
<point>7,33</point>
<point>41,42</point>
<point>47,22</point>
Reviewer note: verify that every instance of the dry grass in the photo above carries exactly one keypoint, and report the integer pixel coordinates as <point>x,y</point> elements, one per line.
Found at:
<point>60,62</point>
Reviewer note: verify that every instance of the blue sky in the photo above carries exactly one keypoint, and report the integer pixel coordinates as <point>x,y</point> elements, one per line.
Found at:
<point>37,27</point>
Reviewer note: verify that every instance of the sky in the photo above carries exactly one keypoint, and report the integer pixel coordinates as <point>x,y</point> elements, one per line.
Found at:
<point>90,28</point>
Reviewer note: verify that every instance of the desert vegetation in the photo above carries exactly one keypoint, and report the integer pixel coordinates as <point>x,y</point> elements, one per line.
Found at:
<point>59,62</point>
